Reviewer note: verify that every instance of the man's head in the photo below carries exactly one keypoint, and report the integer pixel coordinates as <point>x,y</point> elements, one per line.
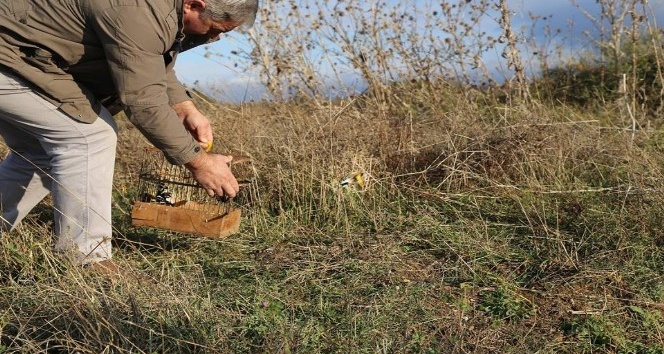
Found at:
<point>212,17</point>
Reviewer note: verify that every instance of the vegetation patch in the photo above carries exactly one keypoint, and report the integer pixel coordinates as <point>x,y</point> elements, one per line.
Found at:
<point>516,218</point>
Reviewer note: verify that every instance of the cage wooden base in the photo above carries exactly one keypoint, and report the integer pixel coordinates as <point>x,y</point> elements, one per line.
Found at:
<point>185,220</point>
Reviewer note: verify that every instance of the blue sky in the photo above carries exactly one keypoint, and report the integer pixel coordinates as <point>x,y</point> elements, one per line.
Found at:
<point>211,69</point>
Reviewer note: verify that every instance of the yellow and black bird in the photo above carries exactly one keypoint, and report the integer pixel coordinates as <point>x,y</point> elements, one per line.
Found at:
<point>354,180</point>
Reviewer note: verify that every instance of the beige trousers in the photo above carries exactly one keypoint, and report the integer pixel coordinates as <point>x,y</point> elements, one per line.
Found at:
<point>52,153</point>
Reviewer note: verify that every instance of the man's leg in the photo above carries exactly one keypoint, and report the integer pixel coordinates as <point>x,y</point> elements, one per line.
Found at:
<point>81,158</point>
<point>23,180</point>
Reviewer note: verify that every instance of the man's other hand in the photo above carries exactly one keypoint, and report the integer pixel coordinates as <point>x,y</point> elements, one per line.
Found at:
<point>195,122</point>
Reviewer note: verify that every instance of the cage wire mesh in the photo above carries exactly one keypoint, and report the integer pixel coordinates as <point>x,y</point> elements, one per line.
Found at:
<point>172,185</point>
<point>170,198</point>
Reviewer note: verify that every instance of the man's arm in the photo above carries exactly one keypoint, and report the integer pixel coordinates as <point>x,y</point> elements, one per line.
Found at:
<point>195,122</point>
<point>133,40</point>
<point>199,126</point>
<point>201,166</point>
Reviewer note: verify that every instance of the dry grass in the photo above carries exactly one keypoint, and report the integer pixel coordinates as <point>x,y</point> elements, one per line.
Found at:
<point>482,228</point>
<point>488,222</point>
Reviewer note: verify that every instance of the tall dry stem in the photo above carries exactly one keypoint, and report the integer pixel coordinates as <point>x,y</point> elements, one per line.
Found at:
<point>512,53</point>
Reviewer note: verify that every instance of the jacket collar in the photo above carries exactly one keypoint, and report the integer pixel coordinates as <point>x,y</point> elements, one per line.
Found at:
<point>179,4</point>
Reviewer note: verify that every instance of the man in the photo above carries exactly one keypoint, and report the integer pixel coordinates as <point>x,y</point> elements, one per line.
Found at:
<point>66,66</point>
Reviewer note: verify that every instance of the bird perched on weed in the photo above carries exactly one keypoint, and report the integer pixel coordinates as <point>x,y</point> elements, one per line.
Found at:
<point>353,180</point>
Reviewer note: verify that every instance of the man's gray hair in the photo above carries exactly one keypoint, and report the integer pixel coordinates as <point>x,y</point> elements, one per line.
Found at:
<point>241,11</point>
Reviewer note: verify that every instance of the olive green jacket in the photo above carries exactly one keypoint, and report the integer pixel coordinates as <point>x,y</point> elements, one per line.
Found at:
<point>82,54</point>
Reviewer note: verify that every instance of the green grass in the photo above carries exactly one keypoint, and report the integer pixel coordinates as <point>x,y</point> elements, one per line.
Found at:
<point>474,234</point>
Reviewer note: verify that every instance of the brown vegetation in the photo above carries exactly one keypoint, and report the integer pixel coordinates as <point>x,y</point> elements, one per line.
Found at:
<point>486,223</point>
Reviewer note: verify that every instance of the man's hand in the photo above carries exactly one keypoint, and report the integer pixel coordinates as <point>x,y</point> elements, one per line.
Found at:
<point>211,171</point>
<point>195,122</point>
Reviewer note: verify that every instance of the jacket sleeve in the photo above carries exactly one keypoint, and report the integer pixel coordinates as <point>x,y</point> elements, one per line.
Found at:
<point>134,38</point>
<point>176,92</point>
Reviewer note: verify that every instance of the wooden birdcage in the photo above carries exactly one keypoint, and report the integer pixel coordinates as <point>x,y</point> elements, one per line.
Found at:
<point>170,199</point>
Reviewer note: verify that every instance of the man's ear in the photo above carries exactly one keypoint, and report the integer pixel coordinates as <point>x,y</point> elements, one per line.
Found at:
<point>194,5</point>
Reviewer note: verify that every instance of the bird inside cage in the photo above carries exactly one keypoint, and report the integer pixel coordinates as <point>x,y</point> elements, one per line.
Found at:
<point>164,196</point>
